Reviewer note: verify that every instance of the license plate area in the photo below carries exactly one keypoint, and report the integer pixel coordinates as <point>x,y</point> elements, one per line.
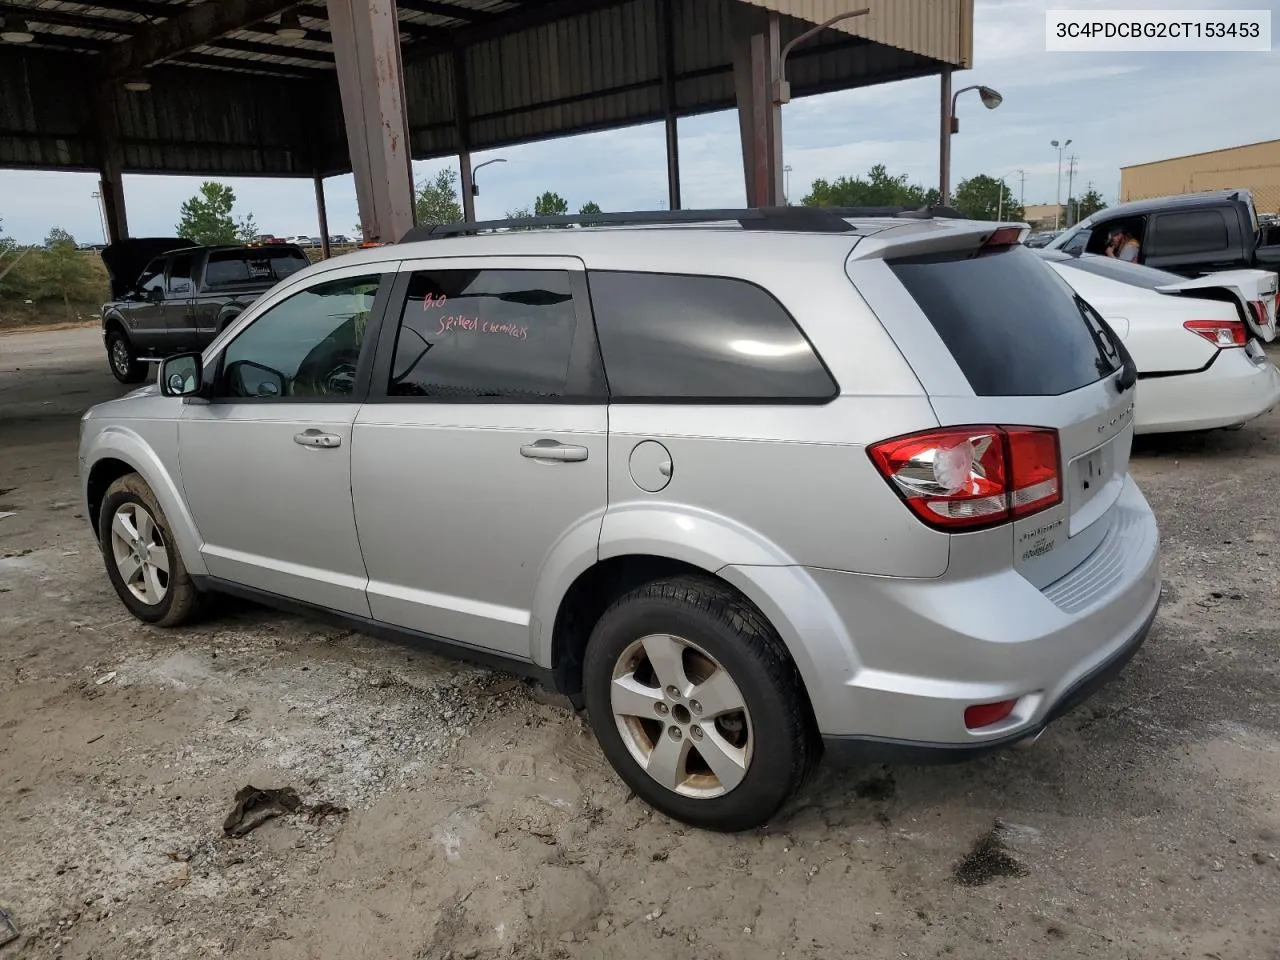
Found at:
<point>1089,479</point>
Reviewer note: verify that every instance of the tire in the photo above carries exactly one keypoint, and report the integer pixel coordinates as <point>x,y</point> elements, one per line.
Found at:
<point>712,635</point>
<point>124,362</point>
<point>164,597</point>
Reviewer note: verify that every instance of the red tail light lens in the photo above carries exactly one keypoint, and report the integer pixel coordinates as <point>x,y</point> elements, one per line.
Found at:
<point>1221,333</point>
<point>986,714</point>
<point>1003,237</point>
<point>965,478</point>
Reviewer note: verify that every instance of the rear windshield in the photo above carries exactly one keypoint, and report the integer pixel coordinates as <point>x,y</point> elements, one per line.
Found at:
<point>227,267</point>
<point>1014,327</point>
<point>1134,274</point>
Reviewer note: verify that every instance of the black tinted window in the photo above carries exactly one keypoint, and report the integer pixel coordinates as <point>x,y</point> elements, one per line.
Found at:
<point>180,273</point>
<point>1134,274</point>
<point>667,337</point>
<point>485,334</point>
<point>1197,231</point>
<point>262,265</point>
<point>1013,326</point>
<point>153,277</point>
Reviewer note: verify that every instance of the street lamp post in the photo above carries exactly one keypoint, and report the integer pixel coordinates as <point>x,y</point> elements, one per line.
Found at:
<point>990,99</point>
<point>1057,210</point>
<point>471,190</point>
<point>780,93</point>
<point>786,192</point>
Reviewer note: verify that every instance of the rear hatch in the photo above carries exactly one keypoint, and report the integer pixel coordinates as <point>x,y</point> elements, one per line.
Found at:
<point>1011,355</point>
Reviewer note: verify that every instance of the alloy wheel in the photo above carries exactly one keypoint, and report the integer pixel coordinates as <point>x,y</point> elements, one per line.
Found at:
<point>138,549</point>
<point>681,716</point>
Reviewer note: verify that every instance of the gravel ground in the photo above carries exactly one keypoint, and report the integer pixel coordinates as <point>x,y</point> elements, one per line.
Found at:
<point>481,821</point>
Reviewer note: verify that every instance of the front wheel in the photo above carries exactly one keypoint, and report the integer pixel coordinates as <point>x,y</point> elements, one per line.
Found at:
<point>142,559</point>
<point>125,365</point>
<point>697,704</point>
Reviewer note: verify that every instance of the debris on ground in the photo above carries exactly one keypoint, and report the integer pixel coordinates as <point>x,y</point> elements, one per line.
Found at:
<point>105,678</point>
<point>8,929</point>
<point>987,860</point>
<point>254,807</point>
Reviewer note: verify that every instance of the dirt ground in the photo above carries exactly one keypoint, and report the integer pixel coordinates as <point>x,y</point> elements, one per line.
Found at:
<point>483,822</point>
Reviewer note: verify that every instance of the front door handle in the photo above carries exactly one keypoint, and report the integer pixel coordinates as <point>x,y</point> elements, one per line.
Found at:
<point>554,450</point>
<point>317,438</point>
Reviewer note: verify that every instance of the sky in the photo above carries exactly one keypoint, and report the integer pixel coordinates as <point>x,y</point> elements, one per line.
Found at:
<point>1116,108</point>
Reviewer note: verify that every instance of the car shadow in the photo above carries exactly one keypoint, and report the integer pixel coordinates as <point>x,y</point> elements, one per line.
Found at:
<point>1251,440</point>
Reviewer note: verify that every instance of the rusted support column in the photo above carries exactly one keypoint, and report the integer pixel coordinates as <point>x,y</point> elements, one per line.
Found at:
<point>366,50</point>
<point>667,32</point>
<point>322,215</point>
<point>462,118</point>
<point>110,162</point>
<point>755,70</point>
<point>944,140</point>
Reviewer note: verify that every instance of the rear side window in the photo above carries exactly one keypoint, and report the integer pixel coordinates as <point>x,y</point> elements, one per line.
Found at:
<point>699,339</point>
<point>1014,327</point>
<point>495,335</point>
<point>264,265</point>
<point>1196,231</point>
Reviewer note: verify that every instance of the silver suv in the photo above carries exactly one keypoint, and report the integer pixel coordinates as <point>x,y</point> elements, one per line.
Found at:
<point>744,486</point>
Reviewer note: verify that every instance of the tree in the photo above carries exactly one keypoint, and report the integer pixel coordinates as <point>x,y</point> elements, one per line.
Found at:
<point>206,217</point>
<point>550,205</point>
<point>437,200</point>
<point>1089,204</point>
<point>979,198</point>
<point>877,189</point>
<point>589,208</point>
<point>247,229</point>
<point>64,269</point>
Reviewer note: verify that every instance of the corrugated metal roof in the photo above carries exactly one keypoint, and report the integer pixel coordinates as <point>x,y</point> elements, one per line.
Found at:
<point>263,104</point>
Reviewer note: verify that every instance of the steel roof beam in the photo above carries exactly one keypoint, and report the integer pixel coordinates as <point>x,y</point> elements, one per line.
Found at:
<point>445,10</point>
<point>64,18</point>
<point>318,57</point>
<point>195,27</point>
<point>509,21</point>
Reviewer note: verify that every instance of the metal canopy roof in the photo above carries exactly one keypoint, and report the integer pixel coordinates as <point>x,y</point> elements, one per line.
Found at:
<point>230,97</point>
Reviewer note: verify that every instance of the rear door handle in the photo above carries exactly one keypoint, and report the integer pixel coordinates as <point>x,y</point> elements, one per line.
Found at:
<point>554,450</point>
<point>316,438</point>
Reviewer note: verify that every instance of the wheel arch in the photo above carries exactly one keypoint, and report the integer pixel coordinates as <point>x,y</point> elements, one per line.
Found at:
<point>118,452</point>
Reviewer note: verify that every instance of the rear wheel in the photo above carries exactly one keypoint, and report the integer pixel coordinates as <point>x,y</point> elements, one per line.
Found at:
<point>125,365</point>
<point>697,705</point>
<point>142,560</point>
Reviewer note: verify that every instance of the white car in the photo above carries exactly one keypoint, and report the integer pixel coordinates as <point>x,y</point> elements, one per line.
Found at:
<point>1197,343</point>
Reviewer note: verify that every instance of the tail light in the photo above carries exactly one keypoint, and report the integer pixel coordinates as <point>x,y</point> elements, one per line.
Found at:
<point>1003,237</point>
<point>1221,333</point>
<point>966,478</point>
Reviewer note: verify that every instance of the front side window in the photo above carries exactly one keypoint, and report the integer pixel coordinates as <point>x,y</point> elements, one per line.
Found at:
<point>697,339</point>
<point>152,278</point>
<point>305,347</point>
<point>1076,242</point>
<point>469,335</point>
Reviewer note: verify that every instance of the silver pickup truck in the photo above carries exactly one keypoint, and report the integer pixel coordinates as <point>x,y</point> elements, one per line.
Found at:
<point>169,295</point>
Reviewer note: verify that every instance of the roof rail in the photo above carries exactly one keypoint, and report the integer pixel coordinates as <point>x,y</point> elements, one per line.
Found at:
<point>798,219</point>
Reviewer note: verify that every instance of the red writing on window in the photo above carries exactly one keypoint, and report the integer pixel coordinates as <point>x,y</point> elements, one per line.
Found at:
<point>517,331</point>
<point>429,302</point>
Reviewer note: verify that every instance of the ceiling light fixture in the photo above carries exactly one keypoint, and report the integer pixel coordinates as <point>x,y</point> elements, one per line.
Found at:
<point>137,83</point>
<point>15,30</point>
<point>290,27</point>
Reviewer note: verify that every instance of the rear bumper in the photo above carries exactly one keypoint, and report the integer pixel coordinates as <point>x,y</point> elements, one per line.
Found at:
<point>862,750</point>
<point>890,664</point>
<point>1234,389</point>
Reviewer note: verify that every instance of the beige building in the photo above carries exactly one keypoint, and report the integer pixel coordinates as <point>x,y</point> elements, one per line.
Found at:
<point>1255,167</point>
<point>1041,215</point>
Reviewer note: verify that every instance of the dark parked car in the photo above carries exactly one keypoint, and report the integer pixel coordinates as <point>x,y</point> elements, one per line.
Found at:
<point>171,296</point>
<point>1191,234</point>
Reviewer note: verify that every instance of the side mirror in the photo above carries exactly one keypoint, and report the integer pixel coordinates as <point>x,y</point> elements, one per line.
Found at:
<point>155,295</point>
<point>182,375</point>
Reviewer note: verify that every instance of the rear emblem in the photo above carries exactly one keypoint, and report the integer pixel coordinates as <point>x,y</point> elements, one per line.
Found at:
<point>1117,419</point>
